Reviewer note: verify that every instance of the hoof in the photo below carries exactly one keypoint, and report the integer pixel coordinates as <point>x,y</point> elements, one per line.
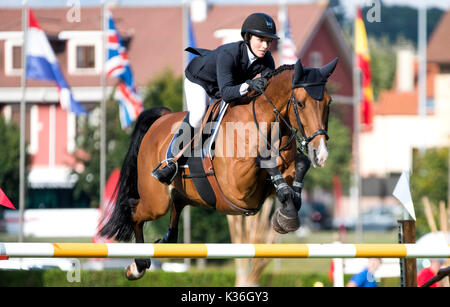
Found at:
<point>275,224</point>
<point>132,272</point>
<point>284,224</point>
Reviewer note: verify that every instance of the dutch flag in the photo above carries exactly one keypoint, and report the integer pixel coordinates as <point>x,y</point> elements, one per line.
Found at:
<point>43,65</point>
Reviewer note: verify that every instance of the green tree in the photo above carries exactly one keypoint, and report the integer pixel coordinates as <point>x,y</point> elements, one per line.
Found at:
<point>339,147</point>
<point>165,90</point>
<point>383,63</point>
<point>88,145</point>
<point>10,159</point>
<point>400,21</point>
<point>338,10</point>
<point>429,178</point>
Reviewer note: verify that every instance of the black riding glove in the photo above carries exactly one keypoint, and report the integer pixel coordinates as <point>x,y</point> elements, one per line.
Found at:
<point>258,84</point>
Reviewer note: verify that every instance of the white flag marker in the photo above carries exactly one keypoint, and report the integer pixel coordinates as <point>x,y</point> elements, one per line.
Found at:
<point>403,193</point>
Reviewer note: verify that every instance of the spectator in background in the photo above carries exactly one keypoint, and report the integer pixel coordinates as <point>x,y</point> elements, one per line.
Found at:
<point>366,277</point>
<point>428,272</point>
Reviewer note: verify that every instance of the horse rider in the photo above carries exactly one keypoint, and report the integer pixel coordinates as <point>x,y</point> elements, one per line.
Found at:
<point>227,73</point>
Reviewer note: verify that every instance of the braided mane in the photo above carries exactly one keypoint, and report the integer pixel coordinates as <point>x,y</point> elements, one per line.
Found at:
<point>279,70</point>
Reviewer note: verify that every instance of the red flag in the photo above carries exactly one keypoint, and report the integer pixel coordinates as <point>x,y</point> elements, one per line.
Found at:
<point>4,200</point>
<point>363,63</point>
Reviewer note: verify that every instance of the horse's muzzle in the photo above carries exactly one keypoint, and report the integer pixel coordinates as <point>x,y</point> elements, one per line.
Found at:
<point>318,155</point>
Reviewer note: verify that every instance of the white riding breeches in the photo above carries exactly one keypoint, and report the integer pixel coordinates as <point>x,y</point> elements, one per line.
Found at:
<point>197,101</point>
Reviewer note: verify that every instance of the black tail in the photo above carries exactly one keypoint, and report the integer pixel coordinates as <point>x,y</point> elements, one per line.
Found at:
<point>119,223</point>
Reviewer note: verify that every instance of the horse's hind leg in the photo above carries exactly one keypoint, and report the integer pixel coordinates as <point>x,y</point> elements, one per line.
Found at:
<point>137,269</point>
<point>153,204</point>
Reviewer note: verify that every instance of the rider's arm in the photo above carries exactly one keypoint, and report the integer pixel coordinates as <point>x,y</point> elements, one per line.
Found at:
<point>225,66</point>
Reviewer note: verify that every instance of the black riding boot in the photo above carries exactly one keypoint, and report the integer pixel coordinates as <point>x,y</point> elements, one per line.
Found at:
<point>167,173</point>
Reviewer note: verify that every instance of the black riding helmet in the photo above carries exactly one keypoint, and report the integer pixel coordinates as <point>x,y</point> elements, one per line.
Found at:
<point>259,24</point>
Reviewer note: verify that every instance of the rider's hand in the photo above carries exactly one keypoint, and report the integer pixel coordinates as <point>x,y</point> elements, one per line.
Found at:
<point>258,84</point>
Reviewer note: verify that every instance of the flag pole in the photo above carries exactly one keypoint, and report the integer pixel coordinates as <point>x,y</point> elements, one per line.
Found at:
<point>184,55</point>
<point>23,82</point>
<point>422,54</point>
<point>356,182</point>
<point>103,108</point>
<point>281,20</point>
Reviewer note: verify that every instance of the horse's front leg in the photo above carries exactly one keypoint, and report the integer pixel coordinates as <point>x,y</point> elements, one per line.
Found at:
<point>178,203</point>
<point>302,164</point>
<point>285,219</point>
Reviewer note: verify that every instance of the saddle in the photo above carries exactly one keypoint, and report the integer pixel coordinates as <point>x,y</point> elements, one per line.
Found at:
<point>199,168</point>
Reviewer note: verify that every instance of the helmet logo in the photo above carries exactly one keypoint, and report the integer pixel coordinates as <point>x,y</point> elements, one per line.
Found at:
<point>269,23</point>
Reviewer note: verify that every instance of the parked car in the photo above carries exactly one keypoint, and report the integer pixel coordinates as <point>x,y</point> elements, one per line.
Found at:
<point>315,216</point>
<point>381,217</point>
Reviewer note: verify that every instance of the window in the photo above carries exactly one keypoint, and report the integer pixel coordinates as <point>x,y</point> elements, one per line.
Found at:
<point>84,52</point>
<point>13,57</point>
<point>85,56</point>
<point>444,68</point>
<point>16,57</point>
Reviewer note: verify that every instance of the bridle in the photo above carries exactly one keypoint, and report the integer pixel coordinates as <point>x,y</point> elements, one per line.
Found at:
<point>303,140</point>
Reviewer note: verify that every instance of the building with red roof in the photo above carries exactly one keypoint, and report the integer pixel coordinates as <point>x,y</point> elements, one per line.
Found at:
<point>153,35</point>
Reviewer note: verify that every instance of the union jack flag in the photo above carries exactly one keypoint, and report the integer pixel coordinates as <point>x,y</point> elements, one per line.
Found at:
<point>118,66</point>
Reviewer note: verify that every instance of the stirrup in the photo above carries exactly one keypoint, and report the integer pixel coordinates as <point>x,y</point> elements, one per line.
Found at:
<point>167,161</point>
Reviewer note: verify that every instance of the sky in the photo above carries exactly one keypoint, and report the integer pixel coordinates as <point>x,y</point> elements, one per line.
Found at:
<point>443,4</point>
<point>348,4</point>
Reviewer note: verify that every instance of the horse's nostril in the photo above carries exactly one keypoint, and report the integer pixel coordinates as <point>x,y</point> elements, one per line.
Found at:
<point>316,158</point>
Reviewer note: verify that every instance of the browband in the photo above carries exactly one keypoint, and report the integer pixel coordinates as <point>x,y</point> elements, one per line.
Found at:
<point>305,84</point>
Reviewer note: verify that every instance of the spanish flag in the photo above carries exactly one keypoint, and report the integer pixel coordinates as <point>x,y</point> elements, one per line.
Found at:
<point>363,63</point>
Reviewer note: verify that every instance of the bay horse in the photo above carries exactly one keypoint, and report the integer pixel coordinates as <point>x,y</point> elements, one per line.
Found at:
<point>295,98</point>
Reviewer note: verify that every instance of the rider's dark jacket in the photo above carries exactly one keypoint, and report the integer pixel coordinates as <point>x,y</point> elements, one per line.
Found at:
<point>222,71</point>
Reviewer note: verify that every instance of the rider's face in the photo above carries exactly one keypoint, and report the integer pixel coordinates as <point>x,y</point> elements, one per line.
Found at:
<point>260,45</point>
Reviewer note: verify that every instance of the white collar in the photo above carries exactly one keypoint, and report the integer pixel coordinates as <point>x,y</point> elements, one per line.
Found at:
<point>251,56</point>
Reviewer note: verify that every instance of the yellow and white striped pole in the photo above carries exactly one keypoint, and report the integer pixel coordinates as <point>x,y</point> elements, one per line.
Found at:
<point>221,251</point>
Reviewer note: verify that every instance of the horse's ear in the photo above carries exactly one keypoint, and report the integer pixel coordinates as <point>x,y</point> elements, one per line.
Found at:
<point>328,69</point>
<point>298,72</point>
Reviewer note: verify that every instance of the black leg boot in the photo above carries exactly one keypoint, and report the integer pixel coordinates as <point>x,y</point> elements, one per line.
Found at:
<point>167,173</point>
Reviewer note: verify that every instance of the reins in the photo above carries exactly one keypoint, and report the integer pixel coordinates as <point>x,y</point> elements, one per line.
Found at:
<point>277,116</point>
<point>303,140</point>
